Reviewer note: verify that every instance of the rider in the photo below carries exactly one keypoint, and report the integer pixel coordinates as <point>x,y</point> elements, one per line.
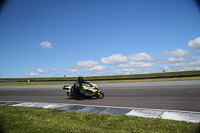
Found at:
<point>78,88</point>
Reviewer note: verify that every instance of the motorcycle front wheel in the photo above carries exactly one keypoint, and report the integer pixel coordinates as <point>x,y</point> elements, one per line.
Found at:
<point>70,95</point>
<point>100,95</point>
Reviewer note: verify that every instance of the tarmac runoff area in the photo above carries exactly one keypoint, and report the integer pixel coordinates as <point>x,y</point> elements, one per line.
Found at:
<point>177,115</point>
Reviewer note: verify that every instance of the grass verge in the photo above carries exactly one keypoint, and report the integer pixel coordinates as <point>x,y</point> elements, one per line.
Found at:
<point>114,77</point>
<point>22,119</point>
<point>98,82</point>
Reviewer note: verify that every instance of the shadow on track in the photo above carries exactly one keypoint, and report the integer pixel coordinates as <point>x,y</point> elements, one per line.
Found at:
<point>85,98</point>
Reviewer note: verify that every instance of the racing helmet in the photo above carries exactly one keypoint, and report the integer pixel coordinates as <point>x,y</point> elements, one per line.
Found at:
<point>80,79</point>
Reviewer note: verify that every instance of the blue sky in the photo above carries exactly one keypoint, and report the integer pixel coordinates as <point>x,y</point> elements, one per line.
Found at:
<point>53,38</point>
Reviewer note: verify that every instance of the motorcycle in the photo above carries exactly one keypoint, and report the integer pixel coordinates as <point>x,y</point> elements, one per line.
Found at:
<point>88,91</point>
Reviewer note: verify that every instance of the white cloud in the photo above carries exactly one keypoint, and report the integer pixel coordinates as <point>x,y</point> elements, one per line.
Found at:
<point>175,60</point>
<point>191,69</point>
<point>46,45</point>
<point>99,74</point>
<point>30,75</point>
<point>134,64</point>
<point>128,70</point>
<point>53,70</point>
<point>177,55</point>
<point>161,61</point>
<point>176,52</point>
<point>72,70</point>
<point>140,57</point>
<point>125,71</point>
<point>189,64</point>
<point>87,64</point>
<point>114,59</point>
<point>194,44</point>
<point>118,72</point>
<point>96,68</point>
<point>41,71</point>
<point>171,60</point>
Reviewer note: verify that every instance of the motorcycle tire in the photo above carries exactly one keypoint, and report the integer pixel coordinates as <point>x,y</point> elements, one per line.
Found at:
<point>100,95</point>
<point>70,95</point>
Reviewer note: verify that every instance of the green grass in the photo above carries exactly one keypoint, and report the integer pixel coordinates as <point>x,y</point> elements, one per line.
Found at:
<point>22,119</point>
<point>171,76</point>
<point>97,82</point>
<point>134,76</point>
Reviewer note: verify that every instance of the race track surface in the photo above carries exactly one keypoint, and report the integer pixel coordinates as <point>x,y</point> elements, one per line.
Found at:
<point>172,95</point>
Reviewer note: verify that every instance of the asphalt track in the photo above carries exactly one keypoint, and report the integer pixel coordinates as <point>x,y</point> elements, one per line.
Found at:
<point>171,95</point>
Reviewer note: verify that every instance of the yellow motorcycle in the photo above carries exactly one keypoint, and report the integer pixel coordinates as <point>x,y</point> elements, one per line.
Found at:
<point>88,90</point>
